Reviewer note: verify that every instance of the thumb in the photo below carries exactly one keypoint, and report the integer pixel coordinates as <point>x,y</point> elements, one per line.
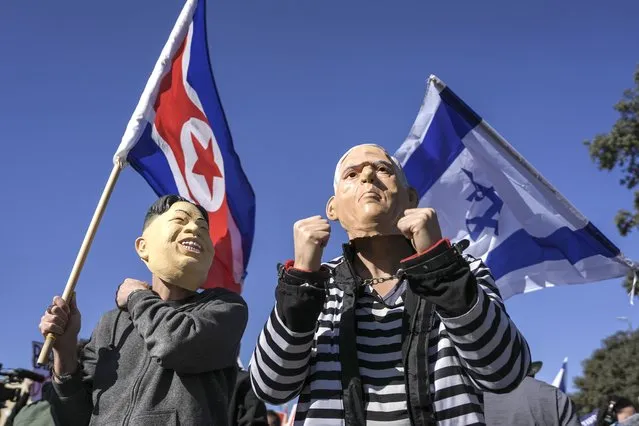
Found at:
<point>404,227</point>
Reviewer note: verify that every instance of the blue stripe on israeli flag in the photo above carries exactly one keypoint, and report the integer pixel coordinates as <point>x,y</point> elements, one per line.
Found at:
<point>483,190</point>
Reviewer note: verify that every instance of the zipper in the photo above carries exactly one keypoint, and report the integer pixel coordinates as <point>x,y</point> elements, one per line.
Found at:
<point>347,258</point>
<point>134,390</point>
<point>431,323</point>
<point>147,363</point>
<point>410,342</point>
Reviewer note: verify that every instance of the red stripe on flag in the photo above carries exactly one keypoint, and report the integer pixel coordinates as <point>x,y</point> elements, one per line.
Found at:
<point>173,109</point>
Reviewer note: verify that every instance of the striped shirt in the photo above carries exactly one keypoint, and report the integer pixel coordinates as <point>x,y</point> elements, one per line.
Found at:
<point>379,351</point>
<point>481,350</point>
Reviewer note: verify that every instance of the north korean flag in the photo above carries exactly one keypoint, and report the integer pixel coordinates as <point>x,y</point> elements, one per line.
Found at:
<point>179,141</point>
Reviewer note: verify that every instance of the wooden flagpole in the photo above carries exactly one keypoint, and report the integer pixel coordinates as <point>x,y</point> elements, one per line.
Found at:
<point>84,251</point>
<point>131,135</point>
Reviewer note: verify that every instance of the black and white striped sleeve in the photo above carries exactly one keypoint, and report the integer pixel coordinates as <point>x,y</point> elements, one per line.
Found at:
<point>566,410</point>
<point>495,355</point>
<point>280,362</point>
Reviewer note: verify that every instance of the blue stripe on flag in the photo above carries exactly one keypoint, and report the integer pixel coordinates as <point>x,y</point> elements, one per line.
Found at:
<point>521,249</point>
<point>442,142</point>
<point>446,123</point>
<point>239,193</point>
<point>463,118</point>
<point>601,239</point>
<point>146,157</point>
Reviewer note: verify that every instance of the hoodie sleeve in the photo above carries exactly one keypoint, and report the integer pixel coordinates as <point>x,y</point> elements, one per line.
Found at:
<point>205,338</point>
<point>72,400</point>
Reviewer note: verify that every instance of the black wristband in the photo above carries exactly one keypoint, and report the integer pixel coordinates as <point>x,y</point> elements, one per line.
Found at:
<point>293,276</point>
<point>427,264</point>
<point>62,378</point>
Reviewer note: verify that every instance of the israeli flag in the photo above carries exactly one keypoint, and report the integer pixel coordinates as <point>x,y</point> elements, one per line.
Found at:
<point>560,378</point>
<point>529,235</point>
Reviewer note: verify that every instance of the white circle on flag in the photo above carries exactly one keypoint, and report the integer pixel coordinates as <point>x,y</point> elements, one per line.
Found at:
<point>209,195</point>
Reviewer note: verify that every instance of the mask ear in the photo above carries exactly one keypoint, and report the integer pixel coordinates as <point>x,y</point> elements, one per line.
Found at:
<point>141,249</point>
<point>413,198</point>
<point>331,212</point>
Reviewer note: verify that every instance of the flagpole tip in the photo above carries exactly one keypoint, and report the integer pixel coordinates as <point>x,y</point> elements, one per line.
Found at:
<point>433,79</point>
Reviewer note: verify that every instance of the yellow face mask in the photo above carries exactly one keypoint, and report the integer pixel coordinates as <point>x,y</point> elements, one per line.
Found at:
<point>176,246</point>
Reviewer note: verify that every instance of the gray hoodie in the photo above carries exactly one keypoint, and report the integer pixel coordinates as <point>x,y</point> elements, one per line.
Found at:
<point>158,363</point>
<point>532,403</point>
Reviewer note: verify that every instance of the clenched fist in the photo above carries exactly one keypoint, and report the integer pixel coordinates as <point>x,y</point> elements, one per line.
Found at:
<point>64,321</point>
<point>310,237</point>
<point>127,287</point>
<point>421,227</point>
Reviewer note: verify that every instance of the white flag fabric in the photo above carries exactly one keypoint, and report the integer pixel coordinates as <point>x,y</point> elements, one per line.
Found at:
<point>529,235</point>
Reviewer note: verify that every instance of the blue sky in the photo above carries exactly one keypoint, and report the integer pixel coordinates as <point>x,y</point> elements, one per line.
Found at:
<point>301,82</point>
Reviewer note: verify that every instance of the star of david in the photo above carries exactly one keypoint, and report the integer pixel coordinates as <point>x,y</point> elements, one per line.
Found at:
<point>490,218</point>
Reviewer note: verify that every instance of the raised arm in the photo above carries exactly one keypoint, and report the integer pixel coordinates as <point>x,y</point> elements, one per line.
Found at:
<point>204,339</point>
<point>72,398</point>
<point>72,377</point>
<point>280,362</point>
<point>281,359</point>
<point>492,350</point>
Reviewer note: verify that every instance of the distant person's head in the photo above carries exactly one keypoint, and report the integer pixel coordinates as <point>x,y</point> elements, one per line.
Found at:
<point>616,409</point>
<point>624,409</point>
<point>175,243</point>
<point>273,418</point>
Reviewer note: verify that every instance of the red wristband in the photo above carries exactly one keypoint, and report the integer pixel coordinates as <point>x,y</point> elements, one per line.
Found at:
<point>290,264</point>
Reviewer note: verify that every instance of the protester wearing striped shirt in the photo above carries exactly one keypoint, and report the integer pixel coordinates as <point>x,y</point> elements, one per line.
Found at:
<point>402,329</point>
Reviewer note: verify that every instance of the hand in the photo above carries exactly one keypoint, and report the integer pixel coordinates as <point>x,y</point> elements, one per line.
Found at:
<point>126,288</point>
<point>310,236</point>
<point>421,227</point>
<point>64,321</point>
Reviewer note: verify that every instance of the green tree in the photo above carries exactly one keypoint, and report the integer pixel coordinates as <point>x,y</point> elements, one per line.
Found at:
<point>619,149</point>
<point>611,370</point>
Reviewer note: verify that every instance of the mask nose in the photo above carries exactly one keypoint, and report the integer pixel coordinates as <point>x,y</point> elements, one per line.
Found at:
<point>191,227</point>
<point>367,175</point>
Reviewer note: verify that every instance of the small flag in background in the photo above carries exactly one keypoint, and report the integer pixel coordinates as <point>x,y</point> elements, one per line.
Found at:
<point>179,141</point>
<point>560,378</point>
<point>529,235</point>
<point>589,419</point>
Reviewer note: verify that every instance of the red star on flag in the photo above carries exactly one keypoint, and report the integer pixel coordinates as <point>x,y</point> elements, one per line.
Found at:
<point>205,165</point>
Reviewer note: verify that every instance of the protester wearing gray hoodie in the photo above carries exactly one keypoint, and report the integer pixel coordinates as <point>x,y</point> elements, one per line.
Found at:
<point>532,403</point>
<point>166,355</point>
